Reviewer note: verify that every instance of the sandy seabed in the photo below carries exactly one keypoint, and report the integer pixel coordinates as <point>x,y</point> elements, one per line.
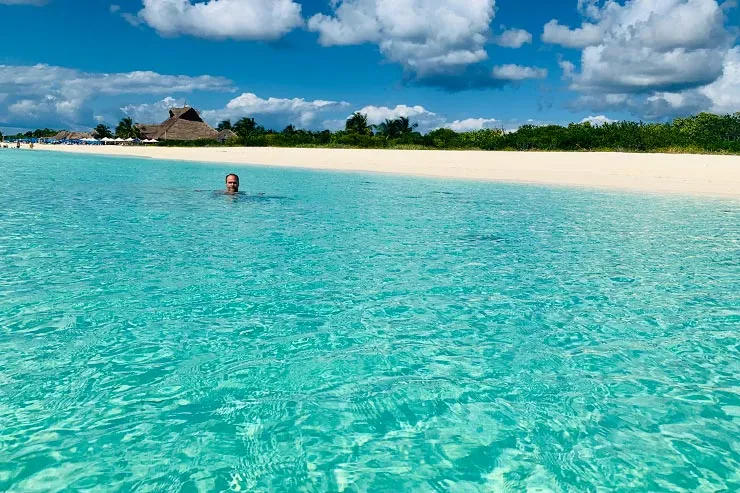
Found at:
<point>658,173</point>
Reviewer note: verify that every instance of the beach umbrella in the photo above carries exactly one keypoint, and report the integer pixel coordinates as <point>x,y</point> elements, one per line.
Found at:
<point>129,140</point>
<point>89,140</point>
<point>118,139</point>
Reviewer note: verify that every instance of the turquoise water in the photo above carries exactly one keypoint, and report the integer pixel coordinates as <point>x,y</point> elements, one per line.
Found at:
<point>355,332</point>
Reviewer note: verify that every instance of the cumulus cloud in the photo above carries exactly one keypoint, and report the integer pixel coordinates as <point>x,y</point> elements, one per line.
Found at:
<point>518,72</point>
<point>724,93</point>
<point>425,118</point>
<point>597,120</point>
<point>721,96</point>
<point>221,19</point>
<point>586,35</point>
<point>514,38</point>
<point>470,124</point>
<point>46,94</point>
<point>152,112</point>
<point>657,58</point>
<point>274,112</point>
<point>424,37</point>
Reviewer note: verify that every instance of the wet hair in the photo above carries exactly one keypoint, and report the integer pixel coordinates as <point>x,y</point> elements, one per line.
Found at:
<point>234,175</point>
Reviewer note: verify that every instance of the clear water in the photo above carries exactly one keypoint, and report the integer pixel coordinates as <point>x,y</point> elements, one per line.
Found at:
<point>363,333</point>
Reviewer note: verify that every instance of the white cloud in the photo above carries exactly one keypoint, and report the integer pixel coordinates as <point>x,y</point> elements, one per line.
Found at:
<point>221,19</point>
<point>114,8</point>
<point>597,120</point>
<point>567,67</point>
<point>46,94</point>
<point>154,112</point>
<point>586,35</point>
<point>429,120</point>
<point>518,72</point>
<point>725,91</point>
<point>514,38</point>
<point>424,37</point>
<point>274,111</point>
<point>656,58</point>
<point>426,119</point>
<point>418,114</point>
<point>470,124</point>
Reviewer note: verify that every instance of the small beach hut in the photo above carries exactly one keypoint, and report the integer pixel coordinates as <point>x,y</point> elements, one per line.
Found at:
<point>68,135</point>
<point>183,124</point>
<point>225,135</point>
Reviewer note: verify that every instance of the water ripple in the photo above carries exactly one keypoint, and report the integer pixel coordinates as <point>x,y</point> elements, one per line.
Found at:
<point>478,338</point>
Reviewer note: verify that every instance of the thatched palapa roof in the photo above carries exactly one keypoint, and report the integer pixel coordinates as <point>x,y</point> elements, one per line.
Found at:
<point>67,135</point>
<point>183,124</point>
<point>225,135</point>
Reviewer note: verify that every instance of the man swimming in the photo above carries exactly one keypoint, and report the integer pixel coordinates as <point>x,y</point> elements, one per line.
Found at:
<point>232,184</point>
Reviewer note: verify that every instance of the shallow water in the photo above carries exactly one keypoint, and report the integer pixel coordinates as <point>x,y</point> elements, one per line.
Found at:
<point>359,332</point>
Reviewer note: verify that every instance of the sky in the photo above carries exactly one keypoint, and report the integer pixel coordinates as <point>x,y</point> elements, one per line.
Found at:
<point>460,64</point>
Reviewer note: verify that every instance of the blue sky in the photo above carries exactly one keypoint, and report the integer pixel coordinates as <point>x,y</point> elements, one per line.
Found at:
<point>463,65</point>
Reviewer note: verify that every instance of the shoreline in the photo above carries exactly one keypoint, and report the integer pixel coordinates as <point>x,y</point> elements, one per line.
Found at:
<point>690,174</point>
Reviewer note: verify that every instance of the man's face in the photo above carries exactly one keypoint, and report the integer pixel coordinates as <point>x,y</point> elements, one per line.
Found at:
<point>232,184</point>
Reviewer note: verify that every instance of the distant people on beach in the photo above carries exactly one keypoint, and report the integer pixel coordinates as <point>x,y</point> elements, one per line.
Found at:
<point>232,184</point>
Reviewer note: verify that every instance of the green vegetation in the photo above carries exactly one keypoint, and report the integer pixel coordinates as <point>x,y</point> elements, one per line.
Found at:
<point>357,125</point>
<point>701,133</point>
<point>395,129</point>
<point>127,130</point>
<point>101,131</point>
<point>39,133</point>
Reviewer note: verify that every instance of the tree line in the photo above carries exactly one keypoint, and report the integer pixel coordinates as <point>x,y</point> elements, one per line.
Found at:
<point>125,129</point>
<point>704,132</point>
<point>39,133</point>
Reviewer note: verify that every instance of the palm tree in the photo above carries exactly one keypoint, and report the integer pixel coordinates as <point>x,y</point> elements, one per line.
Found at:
<point>101,131</point>
<point>389,129</point>
<point>398,127</point>
<point>126,129</point>
<point>224,125</point>
<point>244,126</point>
<point>289,130</point>
<point>404,125</point>
<point>357,124</point>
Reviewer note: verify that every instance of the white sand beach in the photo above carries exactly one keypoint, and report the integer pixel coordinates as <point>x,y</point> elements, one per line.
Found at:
<point>658,173</point>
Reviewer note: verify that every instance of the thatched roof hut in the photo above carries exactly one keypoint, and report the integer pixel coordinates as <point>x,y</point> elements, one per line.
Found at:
<point>183,124</point>
<point>67,135</point>
<point>225,135</point>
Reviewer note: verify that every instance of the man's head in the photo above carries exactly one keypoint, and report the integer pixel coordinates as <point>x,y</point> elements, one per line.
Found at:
<point>232,183</point>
